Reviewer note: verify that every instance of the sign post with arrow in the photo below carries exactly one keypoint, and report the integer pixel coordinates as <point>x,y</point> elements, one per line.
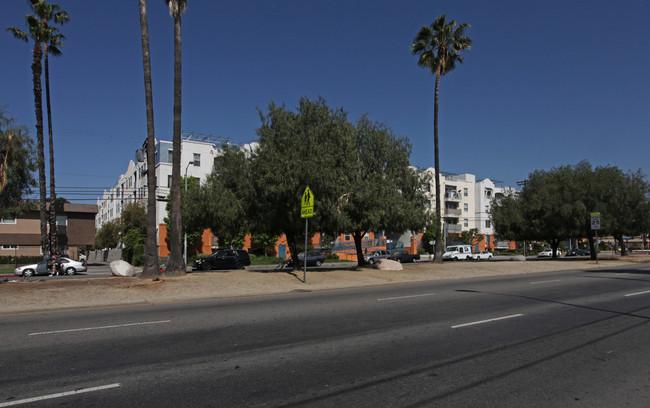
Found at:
<point>306,212</point>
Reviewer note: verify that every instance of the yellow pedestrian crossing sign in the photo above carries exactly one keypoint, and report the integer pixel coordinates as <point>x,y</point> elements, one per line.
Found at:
<point>307,204</point>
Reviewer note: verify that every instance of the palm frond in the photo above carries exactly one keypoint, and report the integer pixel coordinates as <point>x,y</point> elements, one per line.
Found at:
<point>18,33</point>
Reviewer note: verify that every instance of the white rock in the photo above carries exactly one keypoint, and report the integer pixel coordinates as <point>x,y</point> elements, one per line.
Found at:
<point>388,265</point>
<point>122,268</point>
<point>518,258</point>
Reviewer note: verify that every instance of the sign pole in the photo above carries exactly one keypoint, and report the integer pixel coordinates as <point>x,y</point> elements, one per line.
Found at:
<point>306,212</point>
<point>304,271</point>
<point>595,225</point>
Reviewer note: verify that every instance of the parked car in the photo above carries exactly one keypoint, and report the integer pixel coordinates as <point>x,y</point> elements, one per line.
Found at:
<point>547,253</point>
<point>578,252</point>
<point>375,256</point>
<point>314,258</point>
<point>403,257</point>
<point>482,255</point>
<point>457,253</point>
<point>223,259</point>
<point>44,267</point>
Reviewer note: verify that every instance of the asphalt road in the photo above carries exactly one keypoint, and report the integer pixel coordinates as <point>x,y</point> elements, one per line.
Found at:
<point>549,340</point>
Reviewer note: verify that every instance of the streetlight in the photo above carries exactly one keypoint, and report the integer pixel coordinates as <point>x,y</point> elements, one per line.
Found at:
<point>185,241</point>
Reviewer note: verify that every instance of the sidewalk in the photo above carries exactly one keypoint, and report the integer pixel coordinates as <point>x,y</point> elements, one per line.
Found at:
<point>40,294</point>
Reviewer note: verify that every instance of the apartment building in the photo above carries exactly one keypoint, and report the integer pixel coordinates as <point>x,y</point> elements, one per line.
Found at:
<point>21,235</point>
<point>466,205</point>
<point>197,160</point>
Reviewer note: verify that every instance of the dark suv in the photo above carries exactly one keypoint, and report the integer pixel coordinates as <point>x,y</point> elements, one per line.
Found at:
<point>314,258</point>
<point>225,259</point>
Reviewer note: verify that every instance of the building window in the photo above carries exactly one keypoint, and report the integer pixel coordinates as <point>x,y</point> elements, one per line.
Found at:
<point>488,224</point>
<point>61,220</point>
<point>347,237</point>
<point>198,181</point>
<point>8,220</point>
<point>465,192</point>
<point>465,222</point>
<point>197,159</point>
<point>9,247</point>
<point>169,181</point>
<point>170,156</point>
<point>465,207</point>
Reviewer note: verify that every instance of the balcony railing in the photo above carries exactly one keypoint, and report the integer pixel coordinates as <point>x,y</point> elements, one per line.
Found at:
<point>454,228</point>
<point>453,212</point>
<point>453,196</point>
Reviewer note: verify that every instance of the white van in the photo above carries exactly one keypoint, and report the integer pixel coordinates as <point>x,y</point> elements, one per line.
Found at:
<point>458,252</point>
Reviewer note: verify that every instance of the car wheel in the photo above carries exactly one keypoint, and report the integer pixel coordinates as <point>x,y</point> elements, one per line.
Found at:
<point>371,261</point>
<point>239,265</point>
<point>206,266</point>
<point>455,258</point>
<point>399,260</point>
<point>28,272</point>
<point>70,271</point>
<point>319,262</point>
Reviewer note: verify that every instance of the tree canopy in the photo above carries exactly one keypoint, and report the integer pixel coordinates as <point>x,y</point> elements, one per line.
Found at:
<point>359,174</point>
<point>556,204</point>
<point>17,165</point>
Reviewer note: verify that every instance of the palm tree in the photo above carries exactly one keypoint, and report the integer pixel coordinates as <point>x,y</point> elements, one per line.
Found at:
<point>52,43</point>
<point>151,265</point>
<point>176,264</point>
<point>438,46</point>
<point>36,33</point>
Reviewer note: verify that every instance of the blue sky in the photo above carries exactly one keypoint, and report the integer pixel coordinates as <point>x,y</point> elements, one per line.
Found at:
<point>545,84</point>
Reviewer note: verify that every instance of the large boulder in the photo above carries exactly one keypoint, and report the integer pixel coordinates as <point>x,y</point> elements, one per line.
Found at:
<point>122,268</point>
<point>518,258</point>
<point>388,265</point>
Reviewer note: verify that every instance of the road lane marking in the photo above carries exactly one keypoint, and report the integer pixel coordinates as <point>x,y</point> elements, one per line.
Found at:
<point>638,293</point>
<point>547,281</point>
<point>98,328</point>
<point>405,297</point>
<point>487,321</point>
<point>59,395</point>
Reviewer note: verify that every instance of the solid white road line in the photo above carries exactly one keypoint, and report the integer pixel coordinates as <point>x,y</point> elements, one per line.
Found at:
<point>59,395</point>
<point>405,297</point>
<point>486,321</point>
<point>547,281</point>
<point>638,293</point>
<point>98,328</point>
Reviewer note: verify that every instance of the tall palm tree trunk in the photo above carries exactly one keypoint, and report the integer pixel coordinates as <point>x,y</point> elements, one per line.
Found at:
<point>151,264</point>
<point>438,246</point>
<point>37,70</point>
<point>176,264</point>
<point>53,241</point>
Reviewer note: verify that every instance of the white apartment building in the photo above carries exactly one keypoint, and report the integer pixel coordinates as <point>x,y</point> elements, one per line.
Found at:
<point>197,159</point>
<point>466,202</point>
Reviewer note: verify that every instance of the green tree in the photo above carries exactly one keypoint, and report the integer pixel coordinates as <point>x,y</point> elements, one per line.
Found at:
<point>108,235</point>
<point>133,243</point>
<point>308,147</point>
<point>176,264</point>
<point>626,211</point>
<point>17,163</point>
<point>134,217</point>
<point>266,241</point>
<point>151,264</point>
<point>438,47</point>
<point>383,191</point>
<point>470,237</point>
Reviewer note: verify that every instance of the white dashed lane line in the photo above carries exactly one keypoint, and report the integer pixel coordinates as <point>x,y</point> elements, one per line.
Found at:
<point>486,321</point>
<point>58,395</point>
<point>98,328</point>
<point>638,293</point>
<point>405,297</point>
<point>546,281</point>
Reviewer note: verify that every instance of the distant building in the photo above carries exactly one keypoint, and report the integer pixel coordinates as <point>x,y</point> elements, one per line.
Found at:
<point>197,160</point>
<point>466,205</point>
<point>21,235</point>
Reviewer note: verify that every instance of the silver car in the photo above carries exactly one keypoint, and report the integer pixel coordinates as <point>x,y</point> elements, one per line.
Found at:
<point>68,266</point>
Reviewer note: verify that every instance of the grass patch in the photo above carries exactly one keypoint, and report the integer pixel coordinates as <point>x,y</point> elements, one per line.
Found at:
<point>7,270</point>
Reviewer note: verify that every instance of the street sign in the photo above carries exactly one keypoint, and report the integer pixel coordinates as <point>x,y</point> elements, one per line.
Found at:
<point>307,204</point>
<point>595,221</point>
